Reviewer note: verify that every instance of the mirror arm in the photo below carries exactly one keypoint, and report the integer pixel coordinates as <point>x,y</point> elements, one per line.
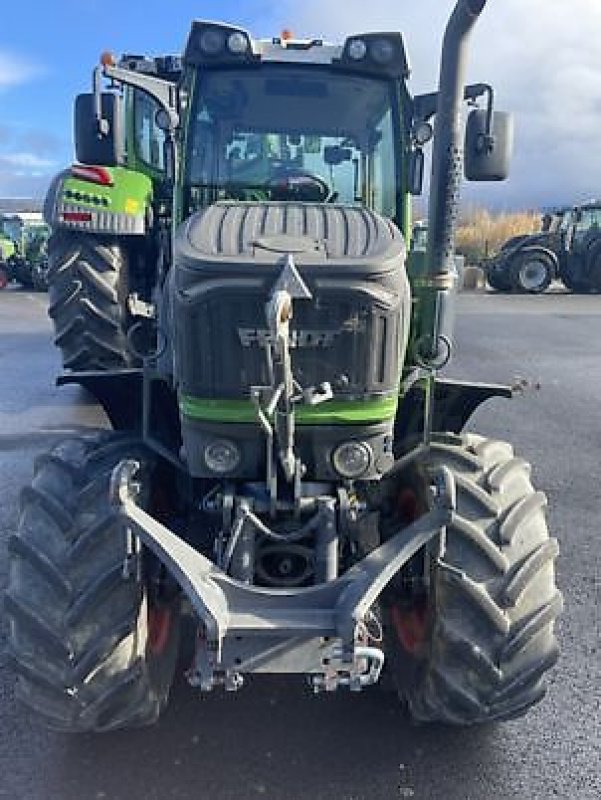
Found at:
<point>425,105</point>
<point>487,141</point>
<point>164,92</point>
<point>102,124</point>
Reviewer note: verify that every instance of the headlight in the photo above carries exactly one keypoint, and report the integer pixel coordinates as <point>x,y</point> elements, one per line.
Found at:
<point>352,459</point>
<point>357,49</point>
<point>382,51</point>
<point>237,43</point>
<point>222,456</point>
<point>212,41</point>
<point>423,132</point>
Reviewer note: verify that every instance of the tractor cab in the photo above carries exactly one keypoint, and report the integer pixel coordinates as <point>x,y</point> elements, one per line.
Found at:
<point>583,220</point>
<point>287,120</point>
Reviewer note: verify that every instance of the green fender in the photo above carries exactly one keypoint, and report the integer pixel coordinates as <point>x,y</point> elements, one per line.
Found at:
<point>120,208</point>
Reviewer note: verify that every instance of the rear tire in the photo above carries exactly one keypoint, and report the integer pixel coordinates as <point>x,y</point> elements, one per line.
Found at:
<point>88,286</point>
<point>531,272</point>
<point>594,266</point>
<point>83,638</point>
<point>488,620</point>
<point>572,275</point>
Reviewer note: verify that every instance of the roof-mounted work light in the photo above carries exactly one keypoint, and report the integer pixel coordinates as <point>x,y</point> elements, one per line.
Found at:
<point>381,53</point>
<point>216,43</point>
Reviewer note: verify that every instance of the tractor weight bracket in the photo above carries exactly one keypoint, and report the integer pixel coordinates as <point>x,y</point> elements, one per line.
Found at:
<point>228,607</point>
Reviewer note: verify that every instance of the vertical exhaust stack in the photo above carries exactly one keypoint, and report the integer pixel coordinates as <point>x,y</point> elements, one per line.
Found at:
<point>447,174</point>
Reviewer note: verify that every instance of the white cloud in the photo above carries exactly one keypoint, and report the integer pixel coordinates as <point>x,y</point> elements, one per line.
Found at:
<point>26,161</point>
<point>15,70</point>
<point>542,57</point>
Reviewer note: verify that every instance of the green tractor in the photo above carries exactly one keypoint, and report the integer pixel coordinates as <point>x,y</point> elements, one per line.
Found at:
<point>23,250</point>
<point>568,247</point>
<point>7,250</point>
<point>287,467</point>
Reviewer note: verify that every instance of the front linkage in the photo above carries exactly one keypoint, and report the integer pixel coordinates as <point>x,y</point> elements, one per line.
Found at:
<point>247,628</point>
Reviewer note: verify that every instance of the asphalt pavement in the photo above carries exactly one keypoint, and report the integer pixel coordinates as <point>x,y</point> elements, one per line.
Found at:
<point>274,739</point>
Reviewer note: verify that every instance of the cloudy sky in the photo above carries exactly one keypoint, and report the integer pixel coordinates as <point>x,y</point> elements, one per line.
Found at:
<point>542,56</point>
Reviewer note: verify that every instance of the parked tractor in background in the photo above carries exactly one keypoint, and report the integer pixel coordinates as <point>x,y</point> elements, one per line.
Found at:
<point>568,248</point>
<point>23,249</point>
<point>111,215</point>
<point>7,249</point>
<point>287,466</point>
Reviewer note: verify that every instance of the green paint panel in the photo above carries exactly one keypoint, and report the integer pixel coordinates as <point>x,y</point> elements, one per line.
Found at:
<point>130,194</point>
<point>7,247</point>
<point>334,412</point>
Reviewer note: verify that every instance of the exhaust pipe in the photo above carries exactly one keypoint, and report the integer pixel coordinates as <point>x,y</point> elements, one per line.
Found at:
<point>433,344</point>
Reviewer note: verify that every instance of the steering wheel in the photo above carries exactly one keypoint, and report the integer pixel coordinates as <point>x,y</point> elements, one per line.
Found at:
<point>295,184</point>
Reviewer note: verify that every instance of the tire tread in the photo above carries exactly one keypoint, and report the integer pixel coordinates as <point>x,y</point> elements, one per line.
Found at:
<point>491,637</point>
<point>87,278</point>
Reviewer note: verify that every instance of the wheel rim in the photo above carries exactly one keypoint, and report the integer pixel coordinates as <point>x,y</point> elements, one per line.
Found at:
<point>159,628</point>
<point>410,622</point>
<point>533,275</point>
<point>411,626</point>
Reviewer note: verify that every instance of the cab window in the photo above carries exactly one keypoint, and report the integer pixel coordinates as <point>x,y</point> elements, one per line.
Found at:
<point>149,138</point>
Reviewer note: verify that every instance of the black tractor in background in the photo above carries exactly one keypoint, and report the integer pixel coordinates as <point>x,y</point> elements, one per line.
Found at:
<point>567,248</point>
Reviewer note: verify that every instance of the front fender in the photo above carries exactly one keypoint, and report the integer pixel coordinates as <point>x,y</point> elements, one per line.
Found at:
<point>454,404</point>
<point>119,209</point>
<point>541,249</point>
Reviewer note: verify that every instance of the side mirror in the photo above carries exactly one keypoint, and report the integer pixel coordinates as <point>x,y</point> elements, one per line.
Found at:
<point>488,153</point>
<point>417,163</point>
<point>92,146</point>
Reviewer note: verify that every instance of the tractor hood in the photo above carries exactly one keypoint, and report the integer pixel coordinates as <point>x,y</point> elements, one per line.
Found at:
<point>317,236</point>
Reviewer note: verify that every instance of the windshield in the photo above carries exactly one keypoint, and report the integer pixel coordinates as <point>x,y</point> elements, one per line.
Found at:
<point>588,218</point>
<point>288,133</point>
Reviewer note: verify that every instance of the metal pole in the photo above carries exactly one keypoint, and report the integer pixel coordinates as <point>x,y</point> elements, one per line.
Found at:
<point>447,173</point>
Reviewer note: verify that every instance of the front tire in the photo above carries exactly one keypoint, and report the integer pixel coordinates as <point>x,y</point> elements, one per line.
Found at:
<point>93,649</point>
<point>87,287</point>
<point>531,272</point>
<point>498,280</point>
<point>39,276</point>
<point>487,638</point>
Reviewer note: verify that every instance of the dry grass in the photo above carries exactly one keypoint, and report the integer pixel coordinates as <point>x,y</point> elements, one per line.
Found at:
<point>481,234</point>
